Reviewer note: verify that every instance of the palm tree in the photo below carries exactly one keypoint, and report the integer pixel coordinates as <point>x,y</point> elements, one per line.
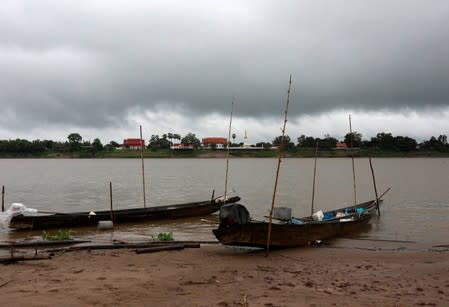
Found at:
<point>177,137</point>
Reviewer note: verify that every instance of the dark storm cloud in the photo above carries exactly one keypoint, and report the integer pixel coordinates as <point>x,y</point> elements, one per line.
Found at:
<point>89,63</point>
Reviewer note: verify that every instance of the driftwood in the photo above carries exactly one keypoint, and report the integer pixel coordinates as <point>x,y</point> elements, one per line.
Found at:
<point>166,247</point>
<point>159,248</point>
<point>42,243</point>
<point>377,240</point>
<point>442,245</point>
<point>186,244</point>
<point>15,259</point>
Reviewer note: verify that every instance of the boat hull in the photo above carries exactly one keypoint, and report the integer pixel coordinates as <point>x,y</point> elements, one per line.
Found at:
<point>283,235</point>
<point>70,220</point>
<point>255,234</point>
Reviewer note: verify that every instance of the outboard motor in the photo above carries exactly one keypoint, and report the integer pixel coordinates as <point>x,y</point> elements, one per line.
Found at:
<point>233,214</point>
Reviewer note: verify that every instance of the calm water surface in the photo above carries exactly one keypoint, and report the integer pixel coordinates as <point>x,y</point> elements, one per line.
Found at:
<point>417,207</point>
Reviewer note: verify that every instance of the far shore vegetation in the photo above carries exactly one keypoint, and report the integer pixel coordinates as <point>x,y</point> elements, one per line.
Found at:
<point>382,145</point>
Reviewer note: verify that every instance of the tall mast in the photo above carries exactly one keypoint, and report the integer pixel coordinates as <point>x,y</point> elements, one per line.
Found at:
<point>281,147</point>
<point>352,156</point>
<point>227,152</point>
<point>375,186</point>
<point>314,179</point>
<point>143,169</point>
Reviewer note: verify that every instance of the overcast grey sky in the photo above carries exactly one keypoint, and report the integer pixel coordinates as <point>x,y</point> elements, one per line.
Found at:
<point>102,68</point>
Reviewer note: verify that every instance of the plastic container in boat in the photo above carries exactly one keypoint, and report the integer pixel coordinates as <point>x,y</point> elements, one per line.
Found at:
<point>282,213</point>
<point>102,225</point>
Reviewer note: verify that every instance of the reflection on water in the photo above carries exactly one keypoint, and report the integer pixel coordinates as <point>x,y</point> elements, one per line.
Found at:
<point>416,208</point>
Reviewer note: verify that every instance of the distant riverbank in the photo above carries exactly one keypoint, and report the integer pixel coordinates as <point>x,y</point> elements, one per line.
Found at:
<point>249,153</point>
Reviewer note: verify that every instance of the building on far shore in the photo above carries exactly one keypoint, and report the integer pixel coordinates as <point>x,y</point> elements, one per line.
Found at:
<point>133,143</point>
<point>245,140</point>
<point>179,146</point>
<point>341,145</point>
<point>218,141</point>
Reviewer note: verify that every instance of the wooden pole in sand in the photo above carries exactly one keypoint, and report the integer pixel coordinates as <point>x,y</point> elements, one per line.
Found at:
<point>375,186</point>
<point>281,147</point>
<point>143,169</point>
<point>110,198</point>
<point>3,198</point>
<point>352,156</point>
<point>314,178</point>
<point>227,153</point>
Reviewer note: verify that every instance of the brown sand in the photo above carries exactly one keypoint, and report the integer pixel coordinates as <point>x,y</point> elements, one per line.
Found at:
<point>219,276</point>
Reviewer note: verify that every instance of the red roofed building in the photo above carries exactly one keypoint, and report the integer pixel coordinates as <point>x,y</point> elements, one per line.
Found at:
<point>341,145</point>
<point>133,143</point>
<point>220,142</point>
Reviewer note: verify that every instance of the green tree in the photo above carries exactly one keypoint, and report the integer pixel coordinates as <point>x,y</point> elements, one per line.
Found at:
<point>114,144</point>
<point>287,144</point>
<point>191,139</point>
<point>154,141</point>
<point>97,145</point>
<point>111,145</point>
<point>404,143</point>
<point>177,137</point>
<point>74,141</point>
<point>384,141</point>
<point>327,143</point>
<point>306,141</point>
<point>157,142</point>
<point>442,139</point>
<point>438,144</point>
<point>170,137</point>
<point>356,139</point>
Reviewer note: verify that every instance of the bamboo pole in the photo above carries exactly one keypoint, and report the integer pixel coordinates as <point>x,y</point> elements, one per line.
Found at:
<point>281,147</point>
<point>187,244</point>
<point>143,169</point>
<point>15,259</point>
<point>227,152</point>
<point>159,248</point>
<point>312,209</point>
<point>385,192</point>
<point>166,248</point>
<point>375,186</point>
<point>352,157</point>
<point>3,198</point>
<point>110,198</point>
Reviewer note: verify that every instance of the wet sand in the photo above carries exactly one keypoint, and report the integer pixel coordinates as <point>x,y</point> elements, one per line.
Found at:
<point>214,275</point>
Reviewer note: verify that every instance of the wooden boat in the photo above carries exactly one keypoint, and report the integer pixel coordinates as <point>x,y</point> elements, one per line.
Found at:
<point>237,229</point>
<point>67,220</point>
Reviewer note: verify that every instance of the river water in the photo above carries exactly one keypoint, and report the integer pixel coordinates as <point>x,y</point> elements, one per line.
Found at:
<point>416,209</point>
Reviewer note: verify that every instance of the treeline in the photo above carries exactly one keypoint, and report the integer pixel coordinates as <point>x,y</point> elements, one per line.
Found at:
<point>382,141</point>
<point>75,143</point>
<point>168,139</point>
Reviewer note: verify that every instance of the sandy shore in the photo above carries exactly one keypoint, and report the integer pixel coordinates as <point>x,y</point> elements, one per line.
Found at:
<point>214,275</point>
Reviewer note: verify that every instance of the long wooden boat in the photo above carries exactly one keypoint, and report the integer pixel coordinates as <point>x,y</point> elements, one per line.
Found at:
<point>237,229</point>
<point>68,220</point>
